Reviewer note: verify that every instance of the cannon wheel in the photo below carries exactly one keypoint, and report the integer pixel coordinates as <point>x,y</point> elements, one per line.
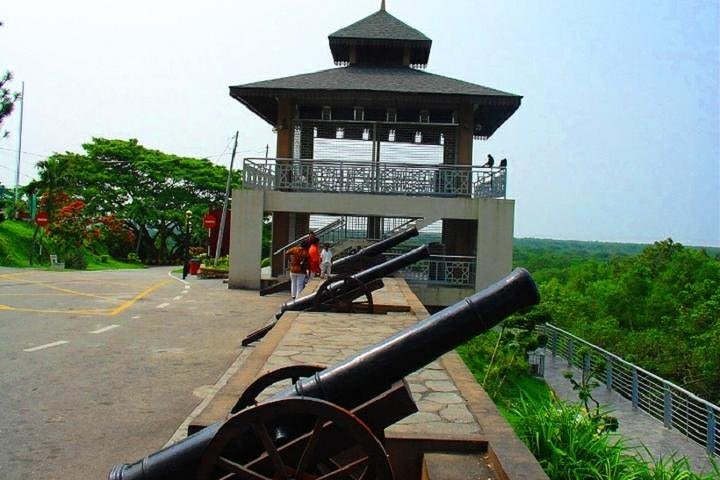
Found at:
<point>292,373</point>
<point>345,306</point>
<point>300,459</point>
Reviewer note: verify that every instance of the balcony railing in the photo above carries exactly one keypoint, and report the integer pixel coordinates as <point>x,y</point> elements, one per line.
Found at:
<point>445,270</point>
<point>375,177</point>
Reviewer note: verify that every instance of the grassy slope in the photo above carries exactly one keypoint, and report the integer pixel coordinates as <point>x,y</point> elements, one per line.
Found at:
<point>16,240</point>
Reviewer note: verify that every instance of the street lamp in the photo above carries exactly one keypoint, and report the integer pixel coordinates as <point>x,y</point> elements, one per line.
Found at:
<point>186,244</point>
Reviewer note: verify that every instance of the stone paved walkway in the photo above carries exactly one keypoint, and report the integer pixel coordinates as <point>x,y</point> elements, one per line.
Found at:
<point>636,427</point>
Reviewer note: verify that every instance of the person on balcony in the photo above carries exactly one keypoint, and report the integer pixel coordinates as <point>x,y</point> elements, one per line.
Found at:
<point>314,254</point>
<point>298,268</point>
<point>325,261</point>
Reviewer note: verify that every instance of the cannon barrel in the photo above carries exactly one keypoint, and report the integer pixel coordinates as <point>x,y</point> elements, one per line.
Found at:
<point>375,249</point>
<point>365,374</point>
<point>366,276</point>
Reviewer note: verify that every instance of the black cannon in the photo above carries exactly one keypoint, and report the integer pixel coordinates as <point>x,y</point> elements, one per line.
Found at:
<point>312,429</point>
<point>354,286</point>
<point>367,257</point>
<point>339,292</point>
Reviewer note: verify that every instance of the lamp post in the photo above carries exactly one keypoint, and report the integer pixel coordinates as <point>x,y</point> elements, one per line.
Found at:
<point>186,244</point>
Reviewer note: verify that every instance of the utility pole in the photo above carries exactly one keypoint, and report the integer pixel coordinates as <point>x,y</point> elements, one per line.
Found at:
<point>19,152</point>
<point>221,232</point>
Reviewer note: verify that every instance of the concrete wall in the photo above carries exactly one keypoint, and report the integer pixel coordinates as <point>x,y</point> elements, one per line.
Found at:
<point>493,236</point>
<point>246,239</point>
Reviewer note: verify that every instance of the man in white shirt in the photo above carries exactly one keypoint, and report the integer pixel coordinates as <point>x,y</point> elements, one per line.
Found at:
<point>325,261</point>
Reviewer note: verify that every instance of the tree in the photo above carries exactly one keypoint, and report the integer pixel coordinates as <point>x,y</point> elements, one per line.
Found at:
<point>7,99</point>
<point>148,189</point>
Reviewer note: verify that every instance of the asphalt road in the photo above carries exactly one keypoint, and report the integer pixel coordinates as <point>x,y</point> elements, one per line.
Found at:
<point>98,368</point>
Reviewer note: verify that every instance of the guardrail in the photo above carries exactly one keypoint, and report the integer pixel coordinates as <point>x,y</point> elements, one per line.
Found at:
<point>446,270</point>
<point>676,407</point>
<point>374,177</point>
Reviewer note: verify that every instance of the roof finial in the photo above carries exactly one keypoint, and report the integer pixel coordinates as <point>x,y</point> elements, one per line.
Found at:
<point>382,5</point>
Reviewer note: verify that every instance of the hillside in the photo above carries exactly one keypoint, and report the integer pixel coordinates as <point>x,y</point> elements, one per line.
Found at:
<point>16,239</point>
<point>15,243</point>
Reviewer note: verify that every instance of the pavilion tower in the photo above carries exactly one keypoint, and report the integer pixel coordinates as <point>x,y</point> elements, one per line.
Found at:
<point>378,125</point>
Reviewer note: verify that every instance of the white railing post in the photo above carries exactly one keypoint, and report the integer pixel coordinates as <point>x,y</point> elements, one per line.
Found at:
<point>711,430</point>
<point>667,406</point>
<point>635,388</point>
<point>608,371</point>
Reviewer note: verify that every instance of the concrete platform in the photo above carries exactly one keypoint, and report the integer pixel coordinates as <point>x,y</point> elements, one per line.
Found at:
<point>452,406</point>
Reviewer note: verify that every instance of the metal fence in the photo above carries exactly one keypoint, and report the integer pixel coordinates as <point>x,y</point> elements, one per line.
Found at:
<point>446,270</point>
<point>677,408</point>
<point>374,177</point>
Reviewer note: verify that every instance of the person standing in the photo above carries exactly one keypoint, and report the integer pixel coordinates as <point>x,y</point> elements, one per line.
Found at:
<point>325,261</point>
<point>314,254</point>
<point>298,267</point>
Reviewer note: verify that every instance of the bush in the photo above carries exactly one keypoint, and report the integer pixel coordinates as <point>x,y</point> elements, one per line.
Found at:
<point>104,258</point>
<point>133,258</point>
<point>75,260</point>
<point>571,445</point>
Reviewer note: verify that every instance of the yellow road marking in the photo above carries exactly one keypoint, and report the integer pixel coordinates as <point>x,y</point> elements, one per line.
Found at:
<point>66,290</point>
<point>39,310</point>
<point>137,297</point>
<point>106,311</point>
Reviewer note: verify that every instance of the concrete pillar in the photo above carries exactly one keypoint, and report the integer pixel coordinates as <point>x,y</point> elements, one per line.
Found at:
<point>246,239</point>
<point>280,238</point>
<point>281,221</point>
<point>494,241</point>
<point>466,129</point>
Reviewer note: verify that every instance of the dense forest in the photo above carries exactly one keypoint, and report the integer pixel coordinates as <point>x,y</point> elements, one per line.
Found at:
<point>657,306</point>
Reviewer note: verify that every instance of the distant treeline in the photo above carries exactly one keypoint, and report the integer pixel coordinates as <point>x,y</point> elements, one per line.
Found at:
<point>656,305</point>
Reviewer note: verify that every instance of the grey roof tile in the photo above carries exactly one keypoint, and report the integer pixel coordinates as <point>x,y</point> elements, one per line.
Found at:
<point>380,25</point>
<point>385,79</point>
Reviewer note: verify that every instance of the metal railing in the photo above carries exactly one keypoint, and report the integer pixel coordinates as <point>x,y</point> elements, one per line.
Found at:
<point>374,177</point>
<point>444,270</point>
<point>676,407</point>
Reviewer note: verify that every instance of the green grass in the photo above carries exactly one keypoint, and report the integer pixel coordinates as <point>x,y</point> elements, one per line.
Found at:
<point>568,443</point>
<point>16,242</point>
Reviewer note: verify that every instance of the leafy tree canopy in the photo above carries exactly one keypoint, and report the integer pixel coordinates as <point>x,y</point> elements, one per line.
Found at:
<point>150,189</point>
<point>7,99</point>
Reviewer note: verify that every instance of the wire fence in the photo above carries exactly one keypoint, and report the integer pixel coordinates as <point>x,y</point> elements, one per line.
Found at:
<point>676,407</point>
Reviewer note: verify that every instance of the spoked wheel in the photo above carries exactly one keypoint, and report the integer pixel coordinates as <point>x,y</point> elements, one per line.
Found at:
<point>292,373</point>
<point>343,303</point>
<point>294,439</point>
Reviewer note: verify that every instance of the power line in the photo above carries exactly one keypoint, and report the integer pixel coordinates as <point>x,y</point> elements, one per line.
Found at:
<point>14,150</point>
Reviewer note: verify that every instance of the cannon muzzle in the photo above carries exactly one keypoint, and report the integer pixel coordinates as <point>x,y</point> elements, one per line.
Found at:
<point>363,375</point>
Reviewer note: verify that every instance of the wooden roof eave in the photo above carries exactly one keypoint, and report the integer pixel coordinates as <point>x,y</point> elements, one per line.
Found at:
<point>507,104</point>
<point>241,94</point>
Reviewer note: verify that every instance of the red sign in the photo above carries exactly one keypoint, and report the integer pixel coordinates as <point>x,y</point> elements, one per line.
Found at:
<point>209,220</point>
<point>41,218</point>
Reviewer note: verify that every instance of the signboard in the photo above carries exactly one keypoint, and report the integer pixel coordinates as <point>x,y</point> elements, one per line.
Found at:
<point>209,221</point>
<point>42,219</point>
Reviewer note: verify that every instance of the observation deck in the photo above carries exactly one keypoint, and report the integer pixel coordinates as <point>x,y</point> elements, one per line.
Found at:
<point>392,178</point>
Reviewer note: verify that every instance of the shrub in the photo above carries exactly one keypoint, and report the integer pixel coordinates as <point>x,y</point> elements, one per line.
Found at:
<point>75,260</point>
<point>571,445</point>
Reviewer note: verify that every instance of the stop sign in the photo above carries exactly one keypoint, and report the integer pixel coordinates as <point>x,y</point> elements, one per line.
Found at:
<point>209,220</point>
<point>41,218</point>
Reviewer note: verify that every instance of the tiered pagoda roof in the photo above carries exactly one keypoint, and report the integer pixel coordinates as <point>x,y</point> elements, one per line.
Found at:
<point>380,52</point>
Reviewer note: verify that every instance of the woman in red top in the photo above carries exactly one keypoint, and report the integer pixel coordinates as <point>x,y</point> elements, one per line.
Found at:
<point>298,264</point>
<point>314,254</point>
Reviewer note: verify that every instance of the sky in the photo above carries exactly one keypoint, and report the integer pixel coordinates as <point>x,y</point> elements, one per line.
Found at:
<point>617,138</point>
